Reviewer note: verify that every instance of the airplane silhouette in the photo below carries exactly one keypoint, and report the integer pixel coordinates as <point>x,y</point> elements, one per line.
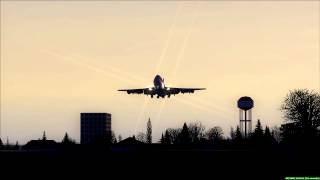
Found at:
<point>160,89</point>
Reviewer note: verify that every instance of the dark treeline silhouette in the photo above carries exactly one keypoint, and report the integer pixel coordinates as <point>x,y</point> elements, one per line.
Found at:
<point>302,115</point>
<point>289,150</point>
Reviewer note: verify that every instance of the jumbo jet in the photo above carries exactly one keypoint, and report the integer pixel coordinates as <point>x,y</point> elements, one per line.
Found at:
<point>160,90</point>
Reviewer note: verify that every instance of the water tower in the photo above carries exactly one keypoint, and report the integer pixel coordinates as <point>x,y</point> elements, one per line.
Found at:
<point>245,105</point>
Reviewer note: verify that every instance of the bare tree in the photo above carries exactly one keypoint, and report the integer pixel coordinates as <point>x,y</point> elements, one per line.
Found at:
<point>141,137</point>
<point>196,131</point>
<point>214,134</point>
<point>302,107</point>
<point>174,135</point>
<point>113,137</point>
<point>276,133</point>
<point>119,138</point>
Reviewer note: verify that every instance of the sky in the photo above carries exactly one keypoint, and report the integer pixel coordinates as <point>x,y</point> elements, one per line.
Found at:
<point>59,59</point>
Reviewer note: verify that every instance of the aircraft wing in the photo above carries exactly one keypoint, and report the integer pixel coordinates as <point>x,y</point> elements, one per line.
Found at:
<point>173,90</point>
<point>138,91</point>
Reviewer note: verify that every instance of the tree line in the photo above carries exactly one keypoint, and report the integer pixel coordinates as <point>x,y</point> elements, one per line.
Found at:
<point>301,110</point>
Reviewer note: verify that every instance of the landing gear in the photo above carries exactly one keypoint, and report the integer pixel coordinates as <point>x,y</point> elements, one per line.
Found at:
<point>158,97</point>
<point>151,96</point>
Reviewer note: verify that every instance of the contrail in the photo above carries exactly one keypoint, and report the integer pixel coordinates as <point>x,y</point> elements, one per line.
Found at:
<point>161,59</point>
<point>94,68</point>
<point>181,52</point>
<point>184,44</point>
<point>158,117</point>
<point>170,33</point>
<point>144,105</point>
<point>199,107</point>
<point>117,70</point>
<point>206,103</point>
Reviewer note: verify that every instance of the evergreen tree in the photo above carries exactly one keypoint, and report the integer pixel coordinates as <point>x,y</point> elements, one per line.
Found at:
<point>258,131</point>
<point>238,135</point>
<point>184,135</point>
<point>67,140</point>
<point>258,135</point>
<point>44,137</point>
<point>162,139</point>
<point>232,133</point>
<point>7,143</point>
<point>1,144</point>
<point>16,146</point>
<point>268,138</point>
<point>167,137</point>
<point>149,132</point>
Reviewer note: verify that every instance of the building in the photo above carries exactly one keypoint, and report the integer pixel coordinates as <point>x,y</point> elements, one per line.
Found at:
<point>95,127</point>
<point>290,130</point>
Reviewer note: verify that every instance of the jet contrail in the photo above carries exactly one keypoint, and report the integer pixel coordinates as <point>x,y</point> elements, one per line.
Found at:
<point>94,68</point>
<point>144,105</point>
<point>170,33</point>
<point>161,59</point>
<point>198,107</point>
<point>205,103</point>
<point>182,50</point>
<point>184,43</point>
<point>117,70</point>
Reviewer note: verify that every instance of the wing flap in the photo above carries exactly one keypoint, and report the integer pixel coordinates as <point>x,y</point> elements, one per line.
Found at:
<point>138,91</point>
<point>184,90</point>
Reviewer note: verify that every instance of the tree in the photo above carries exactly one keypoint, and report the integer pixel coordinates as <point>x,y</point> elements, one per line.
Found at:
<point>214,134</point>
<point>268,138</point>
<point>162,139</point>
<point>113,138</point>
<point>238,135</point>
<point>232,133</point>
<point>44,137</point>
<point>141,137</point>
<point>302,108</point>
<point>16,146</point>
<point>196,131</point>
<point>172,135</point>
<point>149,132</point>
<point>184,137</point>
<point>67,140</point>
<point>276,133</point>
<point>167,137</point>
<point>119,138</point>
<point>1,143</point>
<point>7,143</point>
<point>258,133</point>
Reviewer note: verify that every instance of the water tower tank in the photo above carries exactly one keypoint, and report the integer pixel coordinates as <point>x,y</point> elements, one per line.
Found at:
<point>245,105</point>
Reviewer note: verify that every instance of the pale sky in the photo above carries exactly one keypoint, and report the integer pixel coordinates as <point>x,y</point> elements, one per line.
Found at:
<point>59,59</point>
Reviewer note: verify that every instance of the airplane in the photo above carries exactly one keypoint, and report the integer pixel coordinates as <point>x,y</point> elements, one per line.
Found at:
<point>160,89</point>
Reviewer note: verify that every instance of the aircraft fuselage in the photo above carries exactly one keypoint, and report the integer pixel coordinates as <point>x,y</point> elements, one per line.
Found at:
<point>159,87</point>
